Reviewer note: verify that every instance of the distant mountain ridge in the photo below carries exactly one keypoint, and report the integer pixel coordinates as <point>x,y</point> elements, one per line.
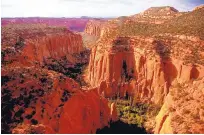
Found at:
<point>74,24</point>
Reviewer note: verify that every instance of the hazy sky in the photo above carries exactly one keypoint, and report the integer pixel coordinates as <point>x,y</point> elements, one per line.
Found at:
<point>97,8</point>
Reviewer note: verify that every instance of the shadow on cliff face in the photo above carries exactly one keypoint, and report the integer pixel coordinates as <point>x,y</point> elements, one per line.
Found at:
<point>120,127</point>
<point>123,65</point>
<point>169,69</point>
<point>121,41</point>
<point>162,50</point>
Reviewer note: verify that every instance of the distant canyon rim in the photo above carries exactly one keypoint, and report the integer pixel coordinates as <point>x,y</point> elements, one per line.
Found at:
<point>142,73</point>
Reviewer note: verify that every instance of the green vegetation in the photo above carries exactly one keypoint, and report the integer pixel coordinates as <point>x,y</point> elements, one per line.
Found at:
<point>136,28</point>
<point>188,24</point>
<point>135,114</point>
<point>67,68</point>
<point>6,56</point>
<point>20,43</point>
<point>16,98</point>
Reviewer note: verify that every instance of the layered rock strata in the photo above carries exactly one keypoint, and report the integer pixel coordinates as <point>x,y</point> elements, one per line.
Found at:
<point>36,43</point>
<point>145,72</point>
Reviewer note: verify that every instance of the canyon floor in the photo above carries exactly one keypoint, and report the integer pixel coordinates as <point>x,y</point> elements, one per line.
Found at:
<point>132,74</point>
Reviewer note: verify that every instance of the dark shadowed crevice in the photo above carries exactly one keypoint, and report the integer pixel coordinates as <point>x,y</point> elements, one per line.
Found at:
<point>120,127</point>
<point>194,73</point>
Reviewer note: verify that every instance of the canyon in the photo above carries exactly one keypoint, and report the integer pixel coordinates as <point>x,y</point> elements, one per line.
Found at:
<point>32,92</point>
<point>145,70</point>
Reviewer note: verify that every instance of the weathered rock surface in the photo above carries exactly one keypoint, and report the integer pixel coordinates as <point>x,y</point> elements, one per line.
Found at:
<point>155,57</point>
<point>135,58</point>
<point>182,111</point>
<point>54,46</point>
<point>156,15</point>
<point>114,114</point>
<point>34,96</point>
<point>199,7</point>
<point>38,100</point>
<point>142,67</point>
<point>36,43</point>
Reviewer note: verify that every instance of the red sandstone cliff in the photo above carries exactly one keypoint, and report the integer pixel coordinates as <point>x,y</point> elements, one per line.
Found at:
<point>155,59</point>
<point>143,73</point>
<point>36,43</point>
<point>146,61</point>
<point>38,98</point>
<point>54,46</point>
<point>93,27</point>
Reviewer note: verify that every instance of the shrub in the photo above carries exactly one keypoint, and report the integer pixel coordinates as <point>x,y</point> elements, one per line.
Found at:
<point>136,114</point>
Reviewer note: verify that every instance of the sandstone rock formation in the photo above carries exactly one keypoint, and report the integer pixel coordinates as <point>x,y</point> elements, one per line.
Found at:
<point>55,46</point>
<point>36,43</point>
<point>156,15</point>
<point>114,115</point>
<point>145,59</point>
<point>38,97</point>
<point>142,67</point>
<point>182,111</point>
<point>93,27</point>
<point>155,57</point>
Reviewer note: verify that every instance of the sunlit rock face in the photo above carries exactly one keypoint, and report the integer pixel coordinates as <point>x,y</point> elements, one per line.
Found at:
<point>182,111</point>
<point>155,58</point>
<point>54,46</point>
<point>51,102</point>
<point>156,15</point>
<point>199,7</point>
<point>38,100</point>
<point>94,27</point>
<point>156,63</point>
<point>36,43</point>
<point>139,66</point>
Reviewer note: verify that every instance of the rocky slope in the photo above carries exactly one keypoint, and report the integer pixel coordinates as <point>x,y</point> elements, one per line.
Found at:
<point>36,97</point>
<point>144,60</point>
<point>156,15</point>
<point>55,48</point>
<point>183,110</point>
<point>49,101</point>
